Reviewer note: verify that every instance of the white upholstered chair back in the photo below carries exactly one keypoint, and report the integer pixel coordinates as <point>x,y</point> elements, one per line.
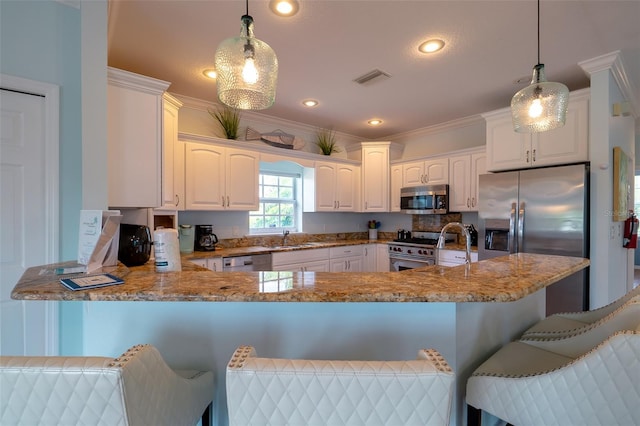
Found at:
<point>271,391</point>
<point>137,388</point>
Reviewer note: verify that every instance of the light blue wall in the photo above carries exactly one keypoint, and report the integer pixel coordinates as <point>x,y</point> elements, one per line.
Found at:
<point>40,40</point>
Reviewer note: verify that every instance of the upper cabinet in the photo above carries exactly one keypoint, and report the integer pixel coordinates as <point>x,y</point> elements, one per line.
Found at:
<point>396,185</point>
<point>134,139</point>
<point>220,178</point>
<point>464,170</point>
<point>429,172</point>
<point>172,156</point>
<point>508,150</point>
<point>375,157</point>
<point>331,187</point>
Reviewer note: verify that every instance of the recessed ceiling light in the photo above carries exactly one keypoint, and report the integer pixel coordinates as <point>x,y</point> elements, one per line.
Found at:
<point>211,73</point>
<point>374,122</point>
<point>284,7</point>
<point>431,46</point>
<point>309,103</point>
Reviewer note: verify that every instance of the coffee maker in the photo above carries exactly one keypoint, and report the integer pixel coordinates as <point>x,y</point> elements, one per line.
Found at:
<point>205,239</point>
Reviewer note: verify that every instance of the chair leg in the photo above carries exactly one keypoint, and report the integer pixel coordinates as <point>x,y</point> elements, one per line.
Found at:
<point>474,416</point>
<point>206,416</point>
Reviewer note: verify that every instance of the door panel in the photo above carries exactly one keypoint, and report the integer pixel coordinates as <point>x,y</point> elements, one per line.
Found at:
<point>26,327</point>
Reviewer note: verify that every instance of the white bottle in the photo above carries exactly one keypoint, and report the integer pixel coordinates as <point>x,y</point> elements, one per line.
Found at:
<point>166,247</point>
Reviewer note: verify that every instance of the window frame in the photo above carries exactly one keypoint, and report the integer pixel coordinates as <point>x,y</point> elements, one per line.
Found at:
<point>262,200</point>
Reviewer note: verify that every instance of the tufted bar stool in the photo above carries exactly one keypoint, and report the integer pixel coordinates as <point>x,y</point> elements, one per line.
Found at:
<point>137,388</point>
<point>588,378</point>
<point>569,322</point>
<point>272,391</point>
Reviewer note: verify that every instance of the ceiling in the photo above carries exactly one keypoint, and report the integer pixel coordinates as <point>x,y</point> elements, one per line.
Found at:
<point>329,43</point>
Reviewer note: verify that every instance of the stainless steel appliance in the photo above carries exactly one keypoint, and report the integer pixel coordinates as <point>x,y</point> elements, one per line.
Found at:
<point>205,239</point>
<point>543,211</point>
<point>414,251</point>
<point>430,199</point>
<point>256,262</point>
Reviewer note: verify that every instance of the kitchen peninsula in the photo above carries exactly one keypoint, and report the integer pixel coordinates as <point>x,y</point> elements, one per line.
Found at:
<point>467,317</point>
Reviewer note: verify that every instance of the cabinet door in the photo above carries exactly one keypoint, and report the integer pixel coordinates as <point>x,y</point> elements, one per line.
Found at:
<point>347,184</point>
<point>506,149</point>
<point>134,151</point>
<point>396,185</point>
<point>204,177</point>
<point>459,183</point>
<point>316,266</point>
<point>413,174</point>
<point>369,258</point>
<point>325,186</point>
<point>242,176</point>
<point>375,179</point>
<point>355,264</point>
<point>566,144</point>
<point>172,157</point>
<point>215,264</point>
<point>436,172</point>
<point>382,258</point>
<point>478,167</point>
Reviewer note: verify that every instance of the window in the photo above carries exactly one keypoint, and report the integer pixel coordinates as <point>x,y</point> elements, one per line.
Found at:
<point>278,205</point>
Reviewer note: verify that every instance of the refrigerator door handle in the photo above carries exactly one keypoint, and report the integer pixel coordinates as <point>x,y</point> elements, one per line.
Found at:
<point>512,229</point>
<point>521,228</point>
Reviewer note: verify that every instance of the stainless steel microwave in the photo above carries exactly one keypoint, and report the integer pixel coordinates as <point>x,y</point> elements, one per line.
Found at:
<point>430,199</point>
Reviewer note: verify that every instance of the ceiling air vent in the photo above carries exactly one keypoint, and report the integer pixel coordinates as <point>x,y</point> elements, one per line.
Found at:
<point>372,77</point>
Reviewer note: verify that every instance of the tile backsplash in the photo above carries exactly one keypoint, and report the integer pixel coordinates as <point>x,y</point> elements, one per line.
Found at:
<point>433,222</point>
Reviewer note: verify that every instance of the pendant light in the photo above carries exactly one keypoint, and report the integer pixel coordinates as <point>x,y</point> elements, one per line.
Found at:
<point>247,70</point>
<point>542,105</point>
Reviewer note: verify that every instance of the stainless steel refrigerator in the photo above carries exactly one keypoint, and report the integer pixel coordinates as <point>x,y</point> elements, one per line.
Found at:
<point>545,211</point>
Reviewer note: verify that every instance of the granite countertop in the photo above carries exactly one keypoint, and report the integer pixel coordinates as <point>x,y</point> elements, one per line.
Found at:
<point>501,279</point>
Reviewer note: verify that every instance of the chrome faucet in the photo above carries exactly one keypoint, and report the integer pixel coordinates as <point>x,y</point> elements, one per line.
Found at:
<point>285,234</point>
<point>442,240</point>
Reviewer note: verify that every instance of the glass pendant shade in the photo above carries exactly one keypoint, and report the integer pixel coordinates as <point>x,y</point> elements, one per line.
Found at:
<point>247,70</point>
<point>541,106</point>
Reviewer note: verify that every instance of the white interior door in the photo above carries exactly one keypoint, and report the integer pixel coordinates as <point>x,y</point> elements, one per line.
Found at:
<point>26,217</point>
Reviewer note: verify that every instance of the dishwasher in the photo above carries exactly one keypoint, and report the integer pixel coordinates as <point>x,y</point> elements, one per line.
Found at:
<point>256,262</point>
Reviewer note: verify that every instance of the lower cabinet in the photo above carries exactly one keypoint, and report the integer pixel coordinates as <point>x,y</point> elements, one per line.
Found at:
<point>455,257</point>
<point>215,264</point>
<point>369,256</point>
<point>314,260</point>
<point>346,258</point>
<point>382,258</point>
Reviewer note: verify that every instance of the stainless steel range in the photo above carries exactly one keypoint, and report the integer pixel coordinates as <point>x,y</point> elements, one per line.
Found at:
<point>416,251</point>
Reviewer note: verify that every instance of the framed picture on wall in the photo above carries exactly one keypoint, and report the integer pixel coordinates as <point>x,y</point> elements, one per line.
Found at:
<point>621,185</point>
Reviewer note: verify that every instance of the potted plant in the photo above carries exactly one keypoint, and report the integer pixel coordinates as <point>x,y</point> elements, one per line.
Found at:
<point>229,119</point>
<point>326,141</point>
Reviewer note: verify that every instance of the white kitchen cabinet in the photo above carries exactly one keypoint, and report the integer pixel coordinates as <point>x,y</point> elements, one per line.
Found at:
<point>134,139</point>
<point>454,257</point>
<point>508,150</point>
<point>425,172</point>
<point>382,258</point>
<point>346,258</point>
<point>463,180</point>
<point>213,263</point>
<point>332,187</point>
<point>172,156</point>
<point>369,256</point>
<point>314,260</point>
<point>220,178</point>
<point>396,185</point>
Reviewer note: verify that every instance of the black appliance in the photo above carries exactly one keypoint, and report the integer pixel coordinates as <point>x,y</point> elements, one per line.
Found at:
<point>205,239</point>
<point>134,245</point>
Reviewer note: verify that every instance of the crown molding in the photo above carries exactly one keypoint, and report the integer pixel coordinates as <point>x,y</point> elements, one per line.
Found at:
<point>614,63</point>
<point>262,119</point>
<point>439,128</point>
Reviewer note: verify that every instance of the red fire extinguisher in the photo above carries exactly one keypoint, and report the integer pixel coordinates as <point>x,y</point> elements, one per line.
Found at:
<point>630,240</point>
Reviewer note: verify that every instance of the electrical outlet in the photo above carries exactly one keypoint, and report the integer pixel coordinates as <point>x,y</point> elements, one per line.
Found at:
<point>612,232</point>
<point>235,231</point>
